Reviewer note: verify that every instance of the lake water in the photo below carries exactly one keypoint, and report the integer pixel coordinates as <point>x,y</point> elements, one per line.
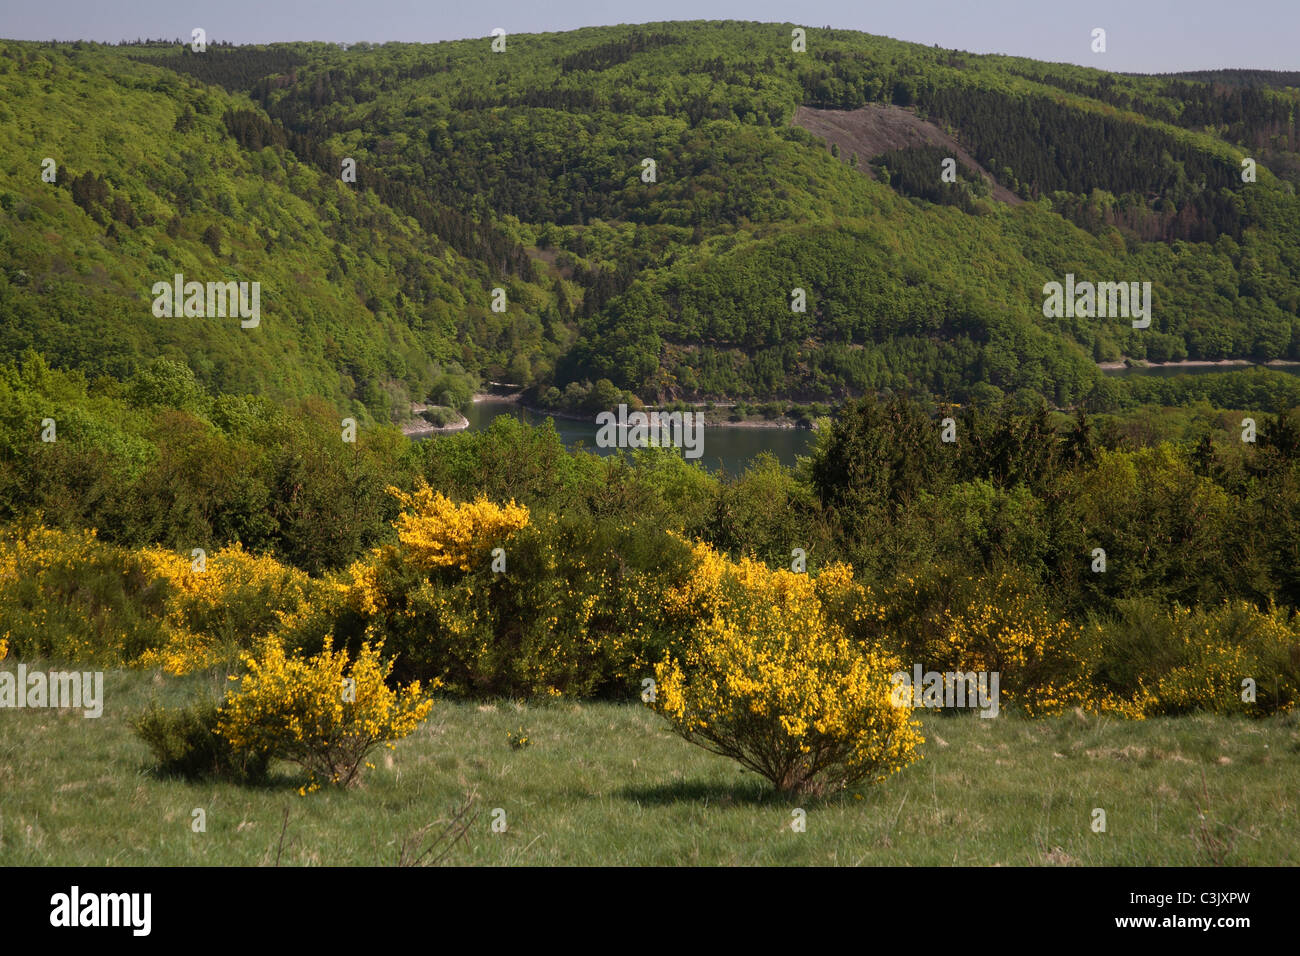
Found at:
<point>732,449</point>
<point>729,449</point>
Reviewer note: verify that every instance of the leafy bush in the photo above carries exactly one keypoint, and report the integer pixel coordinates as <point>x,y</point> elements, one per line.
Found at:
<point>319,712</point>
<point>1177,660</point>
<point>766,511</point>
<point>440,416</point>
<point>768,677</point>
<point>69,596</point>
<point>184,741</point>
<point>212,615</point>
<point>1005,625</point>
<point>573,613</point>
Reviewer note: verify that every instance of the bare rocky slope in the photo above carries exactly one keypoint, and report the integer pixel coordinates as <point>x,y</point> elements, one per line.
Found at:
<point>875,129</point>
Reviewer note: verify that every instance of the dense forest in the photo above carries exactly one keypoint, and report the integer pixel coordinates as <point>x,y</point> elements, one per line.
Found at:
<point>525,172</point>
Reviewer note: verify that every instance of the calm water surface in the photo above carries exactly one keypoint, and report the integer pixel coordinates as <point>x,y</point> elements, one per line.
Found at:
<point>732,449</point>
<point>729,449</point>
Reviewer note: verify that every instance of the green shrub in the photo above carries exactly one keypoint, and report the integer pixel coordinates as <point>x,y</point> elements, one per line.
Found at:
<point>571,613</point>
<point>1179,660</point>
<point>439,416</point>
<point>69,596</point>
<point>185,743</point>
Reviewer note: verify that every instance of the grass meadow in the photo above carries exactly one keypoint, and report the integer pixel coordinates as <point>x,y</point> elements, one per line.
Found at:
<point>607,783</point>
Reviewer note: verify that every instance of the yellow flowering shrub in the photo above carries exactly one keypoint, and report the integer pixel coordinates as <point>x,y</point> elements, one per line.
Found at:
<point>320,712</point>
<point>1039,656</point>
<point>68,596</point>
<point>210,615</point>
<point>1211,682</point>
<point>438,533</point>
<point>1204,656</point>
<point>362,587</point>
<point>767,677</point>
<point>574,610</point>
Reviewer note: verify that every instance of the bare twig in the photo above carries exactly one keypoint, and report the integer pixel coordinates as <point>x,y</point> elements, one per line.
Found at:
<point>454,830</point>
<point>284,827</point>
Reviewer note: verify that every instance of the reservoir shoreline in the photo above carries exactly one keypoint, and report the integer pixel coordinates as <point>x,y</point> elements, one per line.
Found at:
<point>514,399</point>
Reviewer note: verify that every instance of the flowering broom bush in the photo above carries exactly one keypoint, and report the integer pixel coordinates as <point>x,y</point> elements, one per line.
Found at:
<point>768,677</point>
<point>1176,660</point>
<point>319,712</point>
<point>438,533</point>
<point>66,595</point>
<point>571,610</point>
<point>70,596</point>
<point>1042,660</point>
<point>210,616</point>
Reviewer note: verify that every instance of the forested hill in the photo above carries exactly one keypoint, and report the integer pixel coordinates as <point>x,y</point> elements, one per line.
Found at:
<point>525,170</point>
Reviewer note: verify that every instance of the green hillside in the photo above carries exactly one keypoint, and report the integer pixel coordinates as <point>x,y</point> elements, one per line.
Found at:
<point>524,170</point>
<point>359,304</point>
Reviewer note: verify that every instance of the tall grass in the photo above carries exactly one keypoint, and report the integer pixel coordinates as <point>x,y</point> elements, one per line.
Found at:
<point>609,784</point>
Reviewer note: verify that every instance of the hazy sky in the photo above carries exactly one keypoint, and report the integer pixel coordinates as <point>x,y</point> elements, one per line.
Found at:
<point>1142,35</point>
